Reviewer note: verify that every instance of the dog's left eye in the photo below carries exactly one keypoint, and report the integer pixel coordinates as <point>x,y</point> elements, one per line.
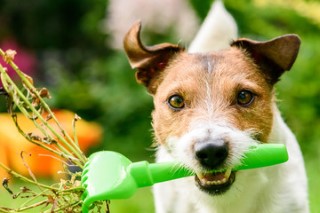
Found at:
<point>245,98</point>
<point>176,102</point>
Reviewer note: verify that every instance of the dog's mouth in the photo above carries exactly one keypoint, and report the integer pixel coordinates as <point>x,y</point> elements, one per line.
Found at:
<point>215,183</point>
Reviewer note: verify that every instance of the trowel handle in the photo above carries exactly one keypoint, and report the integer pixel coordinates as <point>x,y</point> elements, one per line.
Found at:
<point>262,155</point>
<point>147,174</point>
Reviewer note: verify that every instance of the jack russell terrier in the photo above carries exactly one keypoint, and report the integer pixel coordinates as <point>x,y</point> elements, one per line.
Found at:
<point>209,109</point>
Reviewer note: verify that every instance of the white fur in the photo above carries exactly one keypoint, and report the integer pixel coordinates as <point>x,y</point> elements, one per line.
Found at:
<point>216,32</point>
<point>276,189</point>
<point>181,148</point>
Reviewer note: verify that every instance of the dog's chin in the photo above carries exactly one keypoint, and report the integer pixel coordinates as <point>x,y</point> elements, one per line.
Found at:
<point>216,183</point>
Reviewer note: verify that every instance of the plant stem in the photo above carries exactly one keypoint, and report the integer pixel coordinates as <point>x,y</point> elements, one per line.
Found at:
<point>23,178</point>
<point>32,206</point>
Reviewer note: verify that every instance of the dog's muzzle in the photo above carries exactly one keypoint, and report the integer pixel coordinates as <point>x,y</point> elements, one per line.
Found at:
<point>212,155</point>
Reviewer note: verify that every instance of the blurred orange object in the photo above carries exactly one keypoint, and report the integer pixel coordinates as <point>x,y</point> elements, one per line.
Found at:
<point>14,147</point>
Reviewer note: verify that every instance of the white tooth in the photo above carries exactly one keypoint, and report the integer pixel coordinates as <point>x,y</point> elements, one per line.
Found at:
<point>224,180</point>
<point>203,182</point>
<point>200,176</point>
<point>227,173</point>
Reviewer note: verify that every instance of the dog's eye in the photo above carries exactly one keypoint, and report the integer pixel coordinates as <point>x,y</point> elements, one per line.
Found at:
<point>245,98</point>
<point>176,102</point>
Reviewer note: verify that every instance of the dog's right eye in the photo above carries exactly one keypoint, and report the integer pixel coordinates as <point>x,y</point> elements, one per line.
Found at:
<point>176,102</point>
<point>245,98</point>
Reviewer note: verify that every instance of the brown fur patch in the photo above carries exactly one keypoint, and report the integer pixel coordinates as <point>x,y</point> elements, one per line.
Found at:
<point>209,84</point>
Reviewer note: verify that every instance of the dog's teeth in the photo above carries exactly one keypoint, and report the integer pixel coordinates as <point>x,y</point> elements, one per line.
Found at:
<point>217,182</point>
<point>205,179</point>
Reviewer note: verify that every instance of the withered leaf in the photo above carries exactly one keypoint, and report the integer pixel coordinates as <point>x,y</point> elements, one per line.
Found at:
<point>44,93</point>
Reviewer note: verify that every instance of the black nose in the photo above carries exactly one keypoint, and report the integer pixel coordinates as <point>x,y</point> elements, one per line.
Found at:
<point>211,154</point>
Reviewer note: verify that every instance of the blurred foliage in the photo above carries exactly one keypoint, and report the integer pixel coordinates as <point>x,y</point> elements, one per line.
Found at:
<point>61,24</point>
<point>83,73</point>
<point>95,81</point>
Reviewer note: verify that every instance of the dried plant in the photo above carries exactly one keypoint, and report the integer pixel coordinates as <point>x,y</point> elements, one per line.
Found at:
<point>64,196</point>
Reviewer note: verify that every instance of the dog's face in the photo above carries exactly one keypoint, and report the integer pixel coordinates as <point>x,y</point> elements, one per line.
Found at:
<point>209,108</point>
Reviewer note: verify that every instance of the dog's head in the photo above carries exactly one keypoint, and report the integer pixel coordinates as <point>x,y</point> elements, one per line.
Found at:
<point>210,107</point>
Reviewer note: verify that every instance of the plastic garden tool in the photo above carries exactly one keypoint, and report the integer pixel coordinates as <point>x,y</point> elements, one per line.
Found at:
<point>109,175</point>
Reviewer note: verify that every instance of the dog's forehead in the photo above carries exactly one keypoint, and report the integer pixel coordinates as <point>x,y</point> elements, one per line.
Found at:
<point>222,64</point>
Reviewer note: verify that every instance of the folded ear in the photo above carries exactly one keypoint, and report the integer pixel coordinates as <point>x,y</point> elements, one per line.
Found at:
<point>274,56</point>
<point>149,61</point>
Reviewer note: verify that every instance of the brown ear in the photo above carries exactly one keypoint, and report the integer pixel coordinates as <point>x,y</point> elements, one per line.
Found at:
<point>274,56</point>
<point>149,61</point>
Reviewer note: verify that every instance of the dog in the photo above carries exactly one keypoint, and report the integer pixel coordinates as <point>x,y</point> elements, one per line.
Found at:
<point>209,108</point>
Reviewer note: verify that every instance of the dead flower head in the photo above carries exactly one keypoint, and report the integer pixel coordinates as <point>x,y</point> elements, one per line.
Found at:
<point>9,55</point>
